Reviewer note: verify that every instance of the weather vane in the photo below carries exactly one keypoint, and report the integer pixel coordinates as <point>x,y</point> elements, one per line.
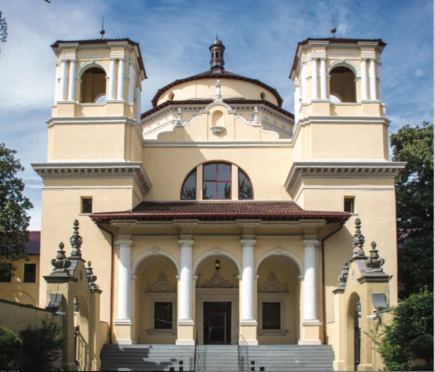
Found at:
<point>333,29</point>
<point>102,32</point>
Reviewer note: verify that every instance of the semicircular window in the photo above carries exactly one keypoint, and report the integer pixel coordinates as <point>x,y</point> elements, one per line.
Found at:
<point>188,191</point>
<point>245,187</point>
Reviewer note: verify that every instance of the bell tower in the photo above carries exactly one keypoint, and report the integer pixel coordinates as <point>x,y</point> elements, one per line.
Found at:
<point>217,62</point>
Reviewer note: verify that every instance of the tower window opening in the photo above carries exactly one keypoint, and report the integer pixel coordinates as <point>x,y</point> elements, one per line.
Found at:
<point>93,89</point>
<point>263,96</point>
<point>349,204</point>
<point>342,84</point>
<point>171,96</point>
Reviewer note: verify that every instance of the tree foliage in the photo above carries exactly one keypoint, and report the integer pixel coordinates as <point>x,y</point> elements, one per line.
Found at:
<point>414,195</point>
<point>10,345</point>
<point>412,319</point>
<point>14,220</point>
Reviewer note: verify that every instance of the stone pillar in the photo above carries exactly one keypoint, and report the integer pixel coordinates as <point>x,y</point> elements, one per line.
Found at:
<point>379,81</point>
<point>304,89</point>
<point>121,79</point>
<point>123,321</point>
<point>111,95</point>
<point>297,102</point>
<point>138,104</point>
<point>72,81</point>
<point>310,323</point>
<point>364,96</point>
<point>56,85</point>
<point>373,96</point>
<point>63,79</point>
<point>131,84</point>
<point>185,298</point>
<point>248,324</point>
<point>323,85</point>
<point>314,82</point>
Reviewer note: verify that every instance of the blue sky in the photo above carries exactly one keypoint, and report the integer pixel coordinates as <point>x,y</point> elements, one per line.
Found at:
<point>174,35</point>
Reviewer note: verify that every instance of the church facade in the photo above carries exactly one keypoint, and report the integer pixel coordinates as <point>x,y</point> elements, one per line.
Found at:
<point>217,215</point>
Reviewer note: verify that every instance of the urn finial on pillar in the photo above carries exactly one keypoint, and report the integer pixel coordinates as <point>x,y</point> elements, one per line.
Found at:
<point>358,242</point>
<point>60,263</point>
<point>344,274</point>
<point>91,277</point>
<point>374,263</point>
<point>76,241</point>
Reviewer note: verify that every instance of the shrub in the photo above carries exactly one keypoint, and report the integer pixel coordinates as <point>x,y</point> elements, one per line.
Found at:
<point>41,347</point>
<point>10,346</point>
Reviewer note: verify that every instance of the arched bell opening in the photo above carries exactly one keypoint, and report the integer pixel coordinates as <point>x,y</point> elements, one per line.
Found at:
<point>81,333</point>
<point>353,332</point>
<point>93,86</point>
<point>278,300</point>
<point>342,85</point>
<point>217,298</point>
<point>155,301</point>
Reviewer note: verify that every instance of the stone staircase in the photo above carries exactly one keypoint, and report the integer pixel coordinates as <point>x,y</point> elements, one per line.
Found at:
<point>219,358</point>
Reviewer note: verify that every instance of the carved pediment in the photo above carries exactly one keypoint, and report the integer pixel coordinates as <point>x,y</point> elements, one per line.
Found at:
<point>162,284</point>
<point>272,285</point>
<point>217,281</point>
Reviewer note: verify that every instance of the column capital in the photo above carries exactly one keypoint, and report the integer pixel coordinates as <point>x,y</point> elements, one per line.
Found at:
<point>364,58</point>
<point>311,243</point>
<point>323,58</point>
<point>248,243</point>
<point>314,58</point>
<point>124,240</point>
<point>186,243</point>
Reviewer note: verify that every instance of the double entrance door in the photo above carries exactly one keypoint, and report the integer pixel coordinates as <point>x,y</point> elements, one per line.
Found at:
<point>217,322</point>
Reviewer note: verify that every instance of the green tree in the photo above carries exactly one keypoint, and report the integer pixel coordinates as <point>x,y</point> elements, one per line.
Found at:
<point>414,205</point>
<point>14,220</point>
<point>10,346</point>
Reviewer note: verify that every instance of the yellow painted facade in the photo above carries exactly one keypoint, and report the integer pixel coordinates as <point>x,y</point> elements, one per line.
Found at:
<point>316,158</point>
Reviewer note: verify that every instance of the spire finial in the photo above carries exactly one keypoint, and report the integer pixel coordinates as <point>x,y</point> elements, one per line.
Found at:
<point>333,29</point>
<point>217,36</point>
<point>102,32</point>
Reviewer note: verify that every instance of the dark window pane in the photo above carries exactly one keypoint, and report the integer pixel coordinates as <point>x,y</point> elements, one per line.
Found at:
<point>87,205</point>
<point>271,315</point>
<point>29,273</point>
<point>163,315</point>
<point>209,190</point>
<point>189,187</point>
<point>5,278</point>
<point>210,172</point>
<point>245,189</point>
<point>349,205</point>
<point>224,172</point>
<point>224,190</point>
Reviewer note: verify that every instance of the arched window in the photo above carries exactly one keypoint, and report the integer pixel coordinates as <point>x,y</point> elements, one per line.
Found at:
<point>342,84</point>
<point>263,96</point>
<point>188,191</point>
<point>217,181</point>
<point>93,87</point>
<point>171,96</point>
<point>245,187</point>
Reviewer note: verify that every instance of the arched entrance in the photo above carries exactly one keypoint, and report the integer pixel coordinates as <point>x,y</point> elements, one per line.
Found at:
<point>353,332</point>
<point>155,300</point>
<point>81,320</point>
<point>217,298</point>
<point>278,298</point>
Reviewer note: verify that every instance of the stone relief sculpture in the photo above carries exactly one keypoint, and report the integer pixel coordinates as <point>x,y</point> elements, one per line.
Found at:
<point>162,284</point>
<point>217,281</point>
<point>272,285</point>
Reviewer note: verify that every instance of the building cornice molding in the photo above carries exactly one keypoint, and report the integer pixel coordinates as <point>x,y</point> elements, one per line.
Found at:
<point>221,144</point>
<point>340,169</point>
<point>134,170</point>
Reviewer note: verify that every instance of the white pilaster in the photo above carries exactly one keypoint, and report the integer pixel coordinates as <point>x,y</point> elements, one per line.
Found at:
<point>131,84</point>
<point>111,95</point>
<point>372,79</point>
<point>63,79</point>
<point>297,97</point>
<point>323,85</point>
<point>364,95</point>
<point>56,86</point>
<point>310,297</point>
<point>124,280</point>
<point>186,282</point>
<point>138,103</point>
<point>314,82</point>
<point>121,79</point>
<point>248,282</point>
<point>379,81</point>
<point>72,81</point>
<point>304,89</point>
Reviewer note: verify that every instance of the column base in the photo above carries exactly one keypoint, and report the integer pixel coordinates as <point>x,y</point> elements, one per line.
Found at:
<point>121,341</point>
<point>310,332</point>
<point>185,342</point>
<point>123,332</point>
<point>185,332</point>
<point>248,329</point>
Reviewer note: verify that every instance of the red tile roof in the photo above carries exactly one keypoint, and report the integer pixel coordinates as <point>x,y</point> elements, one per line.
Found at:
<point>212,75</point>
<point>33,246</point>
<point>219,210</point>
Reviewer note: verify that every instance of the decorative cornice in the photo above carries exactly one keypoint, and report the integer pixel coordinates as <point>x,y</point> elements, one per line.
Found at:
<point>135,170</point>
<point>338,169</point>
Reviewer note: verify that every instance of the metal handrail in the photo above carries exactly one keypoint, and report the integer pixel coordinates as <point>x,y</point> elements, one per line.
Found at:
<point>199,356</point>
<point>243,354</point>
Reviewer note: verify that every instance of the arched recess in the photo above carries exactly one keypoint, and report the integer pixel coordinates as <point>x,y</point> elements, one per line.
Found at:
<point>90,64</point>
<point>352,323</point>
<point>83,347</point>
<point>279,251</point>
<point>154,252</point>
<point>217,119</point>
<point>93,82</point>
<point>344,63</point>
<point>217,252</point>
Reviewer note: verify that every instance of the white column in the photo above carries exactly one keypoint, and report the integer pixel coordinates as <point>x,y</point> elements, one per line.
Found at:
<point>304,83</point>
<point>63,80</point>
<point>314,82</point>
<point>72,81</point>
<point>297,102</point>
<point>138,104</point>
<point>372,79</point>
<point>124,280</point>
<point>131,84</point>
<point>248,282</point>
<point>310,297</point>
<point>323,85</point>
<point>111,95</point>
<point>186,282</point>
<point>56,86</point>
<point>379,81</point>
<point>121,79</point>
<point>364,96</point>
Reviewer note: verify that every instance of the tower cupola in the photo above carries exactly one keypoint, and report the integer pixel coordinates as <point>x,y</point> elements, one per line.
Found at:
<point>217,62</point>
